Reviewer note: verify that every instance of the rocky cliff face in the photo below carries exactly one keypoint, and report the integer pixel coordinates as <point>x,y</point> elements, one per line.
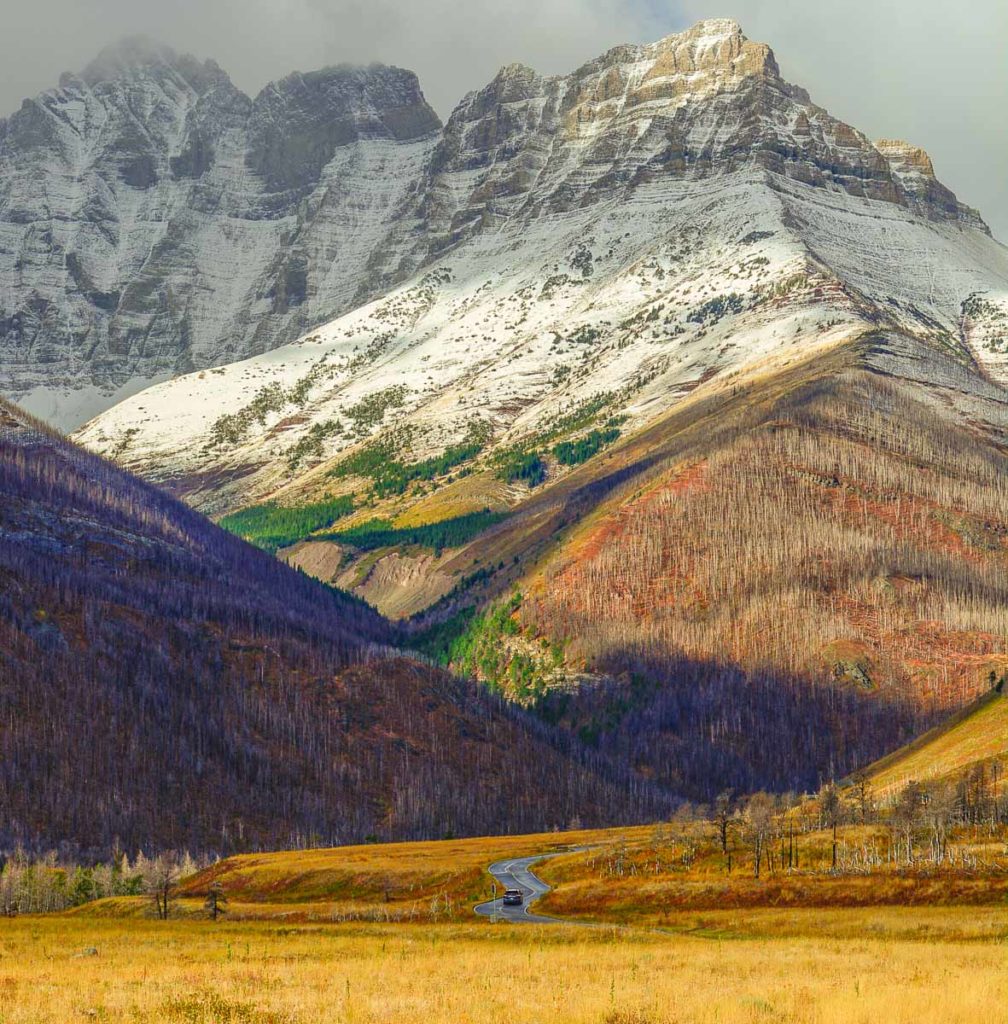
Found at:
<point>154,220</point>
<point>702,103</point>
<point>912,168</point>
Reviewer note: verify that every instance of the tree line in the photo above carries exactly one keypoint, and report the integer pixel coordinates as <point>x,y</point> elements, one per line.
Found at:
<point>919,820</point>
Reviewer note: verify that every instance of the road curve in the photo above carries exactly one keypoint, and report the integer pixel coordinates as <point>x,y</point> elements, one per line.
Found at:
<point>516,873</point>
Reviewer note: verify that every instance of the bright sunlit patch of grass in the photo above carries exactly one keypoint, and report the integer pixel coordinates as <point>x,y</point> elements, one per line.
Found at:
<point>977,736</point>
<point>60,969</point>
<point>404,879</point>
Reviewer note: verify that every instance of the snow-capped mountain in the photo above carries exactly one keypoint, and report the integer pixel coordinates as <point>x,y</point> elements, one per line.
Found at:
<point>664,217</point>
<point>155,220</point>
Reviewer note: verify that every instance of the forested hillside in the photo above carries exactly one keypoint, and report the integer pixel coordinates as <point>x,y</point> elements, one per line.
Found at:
<point>776,584</point>
<point>163,684</point>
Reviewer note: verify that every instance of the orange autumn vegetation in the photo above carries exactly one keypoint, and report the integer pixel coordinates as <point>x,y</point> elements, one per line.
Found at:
<point>417,881</point>
<point>775,587</point>
<point>653,879</point>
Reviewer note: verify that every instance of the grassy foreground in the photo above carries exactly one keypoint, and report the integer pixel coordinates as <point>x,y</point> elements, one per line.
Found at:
<point>66,969</point>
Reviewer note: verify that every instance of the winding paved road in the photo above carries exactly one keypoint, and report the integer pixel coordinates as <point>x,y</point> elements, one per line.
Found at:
<point>516,873</point>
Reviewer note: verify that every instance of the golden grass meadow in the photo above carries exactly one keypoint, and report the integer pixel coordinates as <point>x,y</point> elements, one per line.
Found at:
<point>384,934</point>
<point>849,966</point>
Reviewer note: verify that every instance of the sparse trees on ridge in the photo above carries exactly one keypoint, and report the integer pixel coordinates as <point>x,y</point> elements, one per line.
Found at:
<point>725,576</point>
<point>936,846</point>
<point>46,883</point>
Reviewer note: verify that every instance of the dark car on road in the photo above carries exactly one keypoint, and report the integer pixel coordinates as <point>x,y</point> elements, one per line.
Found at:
<point>513,897</point>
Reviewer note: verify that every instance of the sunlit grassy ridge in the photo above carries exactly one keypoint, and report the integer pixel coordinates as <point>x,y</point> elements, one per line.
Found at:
<point>976,736</point>
<point>645,874</point>
<point>388,881</point>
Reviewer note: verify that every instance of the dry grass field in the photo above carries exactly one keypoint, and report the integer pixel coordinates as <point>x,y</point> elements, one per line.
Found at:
<point>642,876</point>
<point>422,881</point>
<point>659,929</point>
<point>895,966</point>
<point>384,934</point>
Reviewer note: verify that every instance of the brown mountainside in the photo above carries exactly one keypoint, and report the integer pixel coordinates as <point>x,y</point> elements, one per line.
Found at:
<point>776,583</point>
<point>165,685</point>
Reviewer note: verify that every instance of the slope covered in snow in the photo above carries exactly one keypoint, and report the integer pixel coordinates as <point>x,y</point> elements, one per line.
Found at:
<point>154,219</point>
<point>608,240</point>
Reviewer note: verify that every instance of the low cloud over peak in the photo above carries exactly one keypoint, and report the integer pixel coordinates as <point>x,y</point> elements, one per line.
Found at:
<point>912,69</point>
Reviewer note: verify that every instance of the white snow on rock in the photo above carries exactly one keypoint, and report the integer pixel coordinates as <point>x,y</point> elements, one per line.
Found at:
<point>664,216</point>
<point>153,219</point>
<point>642,298</point>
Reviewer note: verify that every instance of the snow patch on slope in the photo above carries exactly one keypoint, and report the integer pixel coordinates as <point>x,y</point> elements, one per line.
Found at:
<point>641,299</point>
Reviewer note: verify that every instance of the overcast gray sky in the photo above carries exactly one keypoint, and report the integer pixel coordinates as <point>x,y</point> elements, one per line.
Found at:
<point>931,72</point>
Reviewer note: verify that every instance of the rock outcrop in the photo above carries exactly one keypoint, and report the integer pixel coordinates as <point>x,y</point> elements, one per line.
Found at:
<point>154,220</point>
<point>912,168</point>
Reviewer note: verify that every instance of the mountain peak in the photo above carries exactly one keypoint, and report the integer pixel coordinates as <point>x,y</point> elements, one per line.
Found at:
<point>299,121</point>
<point>336,185</point>
<point>714,28</point>
<point>906,158</point>
<point>142,53</point>
<point>711,44</point>
<point>512,83</point>
<point>128,53</point>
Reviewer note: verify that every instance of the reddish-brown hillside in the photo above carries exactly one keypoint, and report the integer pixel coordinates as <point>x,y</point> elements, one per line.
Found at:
<point>775,584</point>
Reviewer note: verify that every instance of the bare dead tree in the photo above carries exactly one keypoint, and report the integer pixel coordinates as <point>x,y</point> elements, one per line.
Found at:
<point>759,819</point>
<point>906,816</point>
<point>724,811</point>
<point>215,903</point>
<point>161,877</point>
<point>862,794</point>
<point>830,809</point>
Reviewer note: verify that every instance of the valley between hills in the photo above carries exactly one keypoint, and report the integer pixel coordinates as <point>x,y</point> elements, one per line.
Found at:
<point>616,471</point>
<point>687,438</point>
